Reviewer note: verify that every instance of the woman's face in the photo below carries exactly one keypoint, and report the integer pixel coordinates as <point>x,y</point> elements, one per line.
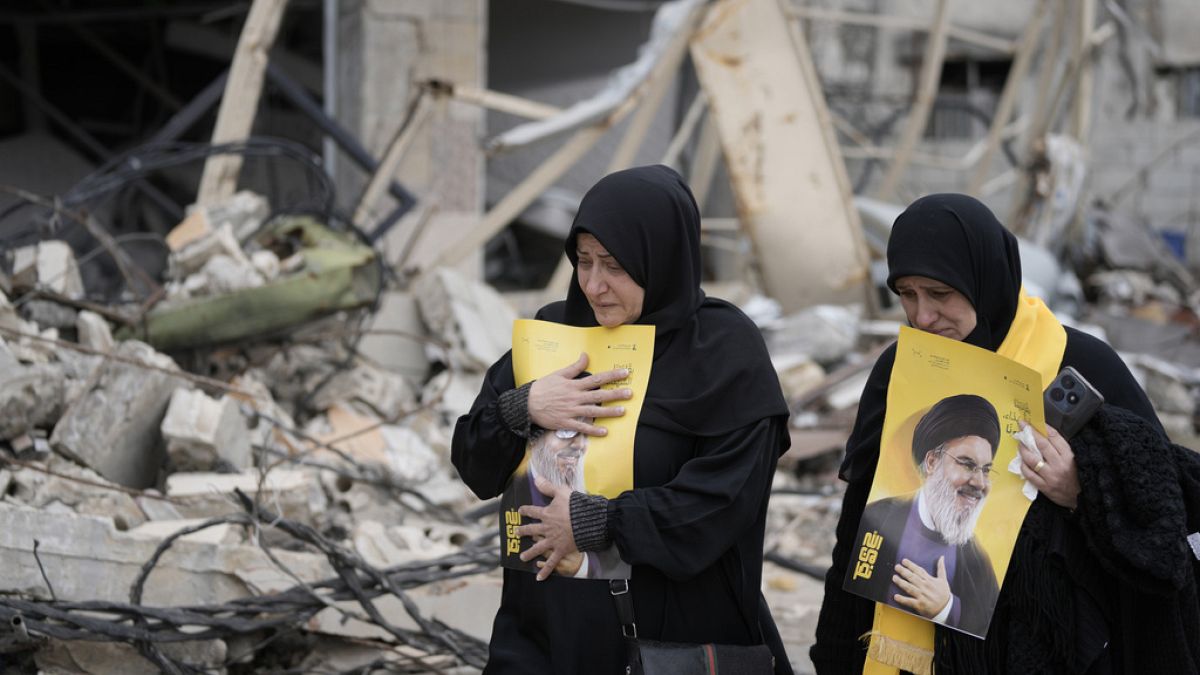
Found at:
<point>615,297</point>
<point>936,308</point>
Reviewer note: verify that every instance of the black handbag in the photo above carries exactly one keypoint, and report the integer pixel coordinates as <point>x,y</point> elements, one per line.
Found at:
<point>650,657</point>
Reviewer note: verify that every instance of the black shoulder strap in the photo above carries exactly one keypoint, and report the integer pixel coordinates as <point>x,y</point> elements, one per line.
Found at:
<point>619,589</point>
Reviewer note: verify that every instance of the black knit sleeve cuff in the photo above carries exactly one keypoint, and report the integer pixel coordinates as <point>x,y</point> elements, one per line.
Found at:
<point>514,409</point>
<point>589,521</point>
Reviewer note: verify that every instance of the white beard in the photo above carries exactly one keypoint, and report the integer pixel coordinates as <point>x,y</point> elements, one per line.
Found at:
<point>955,524</point>
<point>545,466</point>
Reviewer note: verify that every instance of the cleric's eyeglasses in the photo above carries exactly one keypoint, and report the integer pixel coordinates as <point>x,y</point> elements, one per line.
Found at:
<point>566,434</point>
<point>985,471</point>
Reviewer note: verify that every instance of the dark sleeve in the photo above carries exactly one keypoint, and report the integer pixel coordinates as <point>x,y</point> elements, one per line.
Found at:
<point>684,526</point>
<point>844,616</point>
<point>862,448</point>
<point>1101,366</point>
<point>484,449</point>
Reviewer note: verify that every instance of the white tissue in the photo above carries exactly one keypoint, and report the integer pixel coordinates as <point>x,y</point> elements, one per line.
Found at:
<point>1025,437</point>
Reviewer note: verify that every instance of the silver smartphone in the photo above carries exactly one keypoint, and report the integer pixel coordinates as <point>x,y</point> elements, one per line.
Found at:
<point>1070,402</point>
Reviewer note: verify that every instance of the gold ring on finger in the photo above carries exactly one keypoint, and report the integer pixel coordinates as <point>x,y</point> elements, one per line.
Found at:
<point>1037,468</point>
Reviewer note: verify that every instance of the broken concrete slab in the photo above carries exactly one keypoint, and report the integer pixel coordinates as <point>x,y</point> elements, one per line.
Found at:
<point>798,374</point>
<point>294,493</point>
<point>270,425</point>
<point>94,332</point>
<point>1168,385</point>
<point>47,314</point>
<point>193,257</point>
<point>847,393</point>
<point>468,604</point>
<point>31,396</point>
<point>472,318</point>
<point>203,432</point>
<point>825,333</point>
<point>11,320</point>
<point>396,337</point>
<point>84,496</point>
<point>157,530</point>
<point>60,657</point>
<point>244,212</point>
<point>49,265</point>
<point>267,264</point>
<point>452,393</point>
<point>86,558</point>
<point>387,394</point>
<point>114,426</point>
<point>225,274</point>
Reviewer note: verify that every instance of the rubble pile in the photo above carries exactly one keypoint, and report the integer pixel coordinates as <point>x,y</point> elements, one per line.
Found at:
<point>229,483</point>
<point>255,472</point>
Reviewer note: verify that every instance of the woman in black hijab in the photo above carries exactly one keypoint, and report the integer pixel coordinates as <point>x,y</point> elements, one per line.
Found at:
<point>958,273</point>
<point>712,426</point>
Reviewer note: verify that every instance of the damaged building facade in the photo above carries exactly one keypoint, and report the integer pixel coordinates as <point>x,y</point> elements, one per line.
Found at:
<point>227,388</point>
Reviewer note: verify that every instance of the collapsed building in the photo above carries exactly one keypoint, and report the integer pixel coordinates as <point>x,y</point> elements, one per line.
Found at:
<point>229,368</point>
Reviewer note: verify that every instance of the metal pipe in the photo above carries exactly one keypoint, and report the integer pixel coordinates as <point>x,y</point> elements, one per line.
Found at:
<point>345,140</point>
<point>329,75</point>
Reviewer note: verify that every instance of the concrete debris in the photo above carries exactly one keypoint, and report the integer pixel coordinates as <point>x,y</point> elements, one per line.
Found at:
<point>203,433</point>
<point>86,558</point>
<point>224,274</point>
<point>113,427</point>
<point>798,374</point>
<point>452,393</point>
<point>329,399</point>
<point>49,314</point>
<point>845,395</point>
<point>193,257</point>
<point>267,264</point>
<point>31,397</point>
<point>293,493</point>
<point>48,265</point>
<point>386,394</point>
<point>1129,287</point>
<point>824,333</point>
<point>10,320</point>
<point>74,489</point>
<point>104,658</point>
<point>94,332</point>
<point>396,337</point>
<point>244,212</point>
<point>471,318</point>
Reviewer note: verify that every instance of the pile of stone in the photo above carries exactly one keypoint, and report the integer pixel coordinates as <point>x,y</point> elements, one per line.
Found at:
<point>109,447</point>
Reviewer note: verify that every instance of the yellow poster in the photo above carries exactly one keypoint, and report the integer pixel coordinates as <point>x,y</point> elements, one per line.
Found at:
<point>601,465</point>
<point>944,504</point>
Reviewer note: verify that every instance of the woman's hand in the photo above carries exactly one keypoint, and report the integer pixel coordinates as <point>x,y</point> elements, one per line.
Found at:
<point>927,595</point>
<point>553,536</point>
<point>1051,467</point>
<point>559,401</point>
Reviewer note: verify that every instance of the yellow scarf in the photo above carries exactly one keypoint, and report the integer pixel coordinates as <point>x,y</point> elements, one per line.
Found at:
<point>901,641</point>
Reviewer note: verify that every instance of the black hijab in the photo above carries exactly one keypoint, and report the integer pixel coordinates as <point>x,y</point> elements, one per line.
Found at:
<point>711,372</point>
<point>956,240</point>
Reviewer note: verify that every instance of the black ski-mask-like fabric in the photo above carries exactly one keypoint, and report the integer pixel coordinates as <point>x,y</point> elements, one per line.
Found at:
<point>956,240</point>
<point>711,372</point>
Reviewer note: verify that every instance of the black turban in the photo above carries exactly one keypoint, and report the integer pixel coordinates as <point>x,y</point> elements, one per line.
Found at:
<point>954,417</point>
